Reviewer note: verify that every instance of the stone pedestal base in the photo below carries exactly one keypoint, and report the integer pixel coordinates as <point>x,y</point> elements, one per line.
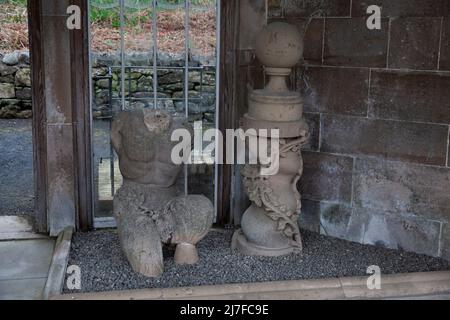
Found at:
<point>240,243</point>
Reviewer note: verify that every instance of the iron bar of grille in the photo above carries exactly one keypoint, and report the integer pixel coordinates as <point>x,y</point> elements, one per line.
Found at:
<point>122,51</point>
<point>206,66</point>
<point>155,52</point>
<point>161,99</point>
<point>186,80</point>
<point>129,87</point>
<point>111,149</point>
<point>217,153</point>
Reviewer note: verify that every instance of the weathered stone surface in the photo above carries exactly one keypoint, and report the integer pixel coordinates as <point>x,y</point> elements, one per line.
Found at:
<point>328,218</point>
<point>25,114</point>
<point>172,77</point>
<point>23,93</point>
<point>394,231</point>
<point>334,219</point>
<point>444,63</point>
<point>192,218</point>
<point>445,242</point>
<point>334,90</point>
<point>414,43</point>
<point>313,38</point>
<point>6,70</point>
<point>313,121</point>
<point>9,111</point>
<point>403,8</point>
<point>326,177</point>
<point>412,96</point>
<point>145,83</point>
<point>305,8</point>
<point>102,83</point>
<point>11,59</point>
<point>348,42</point>
<point>206,88</point>
<point>309,218</point>
<point>397,140</point>
<point>402,188</point>
<point>9,102</point>
<point>7,91</point>
<point>172,87</point>
<point>201,102</point>
<point>134,75</point>
<point>7,79</point>
<point>24,58</point>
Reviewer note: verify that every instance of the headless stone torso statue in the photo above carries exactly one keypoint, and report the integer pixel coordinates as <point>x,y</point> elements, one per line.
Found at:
<point>148,208</point>
<point>144,152</point>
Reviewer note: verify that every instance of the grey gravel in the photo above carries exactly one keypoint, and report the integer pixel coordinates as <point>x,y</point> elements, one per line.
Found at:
<point>16,167</point>
<point>104,267</point>
<point>16,163</point>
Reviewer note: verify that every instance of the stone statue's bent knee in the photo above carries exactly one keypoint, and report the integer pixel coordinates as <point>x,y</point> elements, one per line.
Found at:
<point>148,208</point>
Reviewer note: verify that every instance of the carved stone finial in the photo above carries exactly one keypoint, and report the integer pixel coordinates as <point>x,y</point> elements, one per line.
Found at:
<point>269,226</point>
<point>279,47</point>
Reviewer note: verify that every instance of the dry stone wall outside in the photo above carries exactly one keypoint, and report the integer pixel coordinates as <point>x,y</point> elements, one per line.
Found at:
<point>15,86</point>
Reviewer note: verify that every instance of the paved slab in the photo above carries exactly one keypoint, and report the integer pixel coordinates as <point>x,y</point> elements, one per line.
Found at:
<point>24,266</point>
<point>27,289</point>
<point>25,259</point>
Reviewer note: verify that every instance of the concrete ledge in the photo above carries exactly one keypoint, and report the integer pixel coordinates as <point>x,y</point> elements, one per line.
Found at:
<point>57,271</point>
<point>392,286</point>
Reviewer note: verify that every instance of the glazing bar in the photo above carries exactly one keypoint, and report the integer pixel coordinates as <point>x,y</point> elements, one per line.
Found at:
<point>186,80</point>
<point>155,52</point>
<point>217,153</point>
<point>122,51</point>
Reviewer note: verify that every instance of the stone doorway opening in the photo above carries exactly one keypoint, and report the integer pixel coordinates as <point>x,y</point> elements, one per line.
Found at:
<point>156,55</point>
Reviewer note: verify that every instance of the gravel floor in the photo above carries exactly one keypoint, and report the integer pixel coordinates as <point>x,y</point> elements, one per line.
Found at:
<point>16,163</point>
<point>103,266</point>
<point>16,168</point>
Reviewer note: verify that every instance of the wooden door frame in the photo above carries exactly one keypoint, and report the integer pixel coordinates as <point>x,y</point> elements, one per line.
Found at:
<point>229,41</point>
<point>228,117</point>
<point>34,8</point>
<point>81,117</point>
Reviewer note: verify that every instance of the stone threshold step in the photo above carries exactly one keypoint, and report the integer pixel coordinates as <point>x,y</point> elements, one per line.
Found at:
<point>402,286</point>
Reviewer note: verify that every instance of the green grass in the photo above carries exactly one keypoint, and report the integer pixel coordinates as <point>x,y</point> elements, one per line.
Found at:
<point>21,3</point>
<point>133,17</point>
<point>13,11</point>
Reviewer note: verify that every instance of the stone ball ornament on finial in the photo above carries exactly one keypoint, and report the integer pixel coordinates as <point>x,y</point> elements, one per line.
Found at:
<point>279,45</point>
